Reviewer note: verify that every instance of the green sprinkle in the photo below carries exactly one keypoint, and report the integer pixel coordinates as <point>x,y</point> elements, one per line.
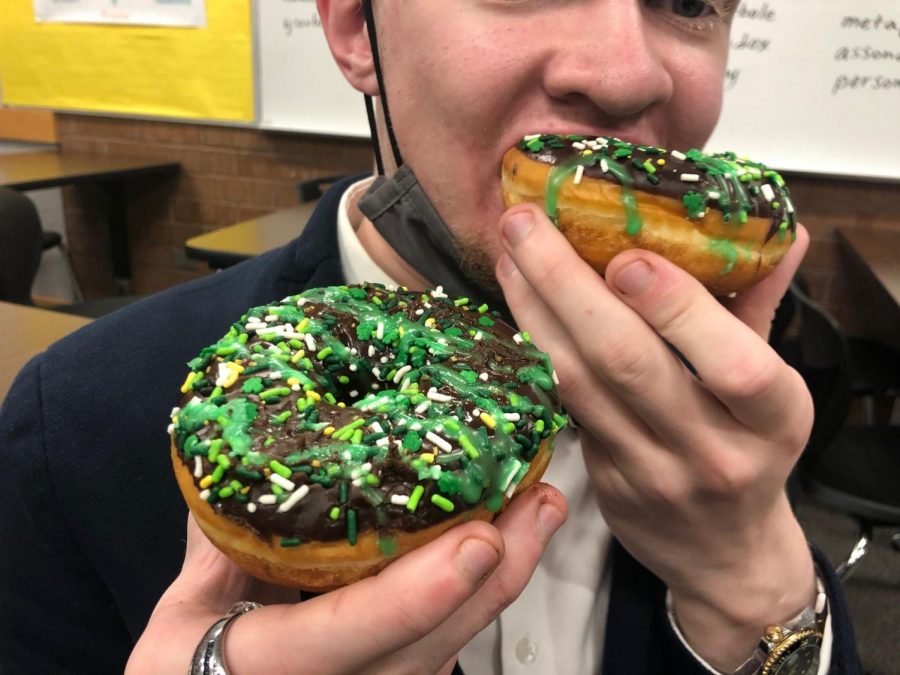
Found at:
<point>467,445</point>
<point>351,527</point>
<point>482,309</point>
<point>485,321</point>
<point>226,492</point>
<point>280,468</point>
<point>283,417</point>
<point>343,379</point>
<point>335,512</point>
<point>275,392</point>
<point>414,498</point>
<point>459,302</point>
<point>442,503</point>
<point>330,398</point>
<point>218,474</point>
<point>324,353</point>
<point>248,473</point>
<point>289,542</point>
<point>412,441</point>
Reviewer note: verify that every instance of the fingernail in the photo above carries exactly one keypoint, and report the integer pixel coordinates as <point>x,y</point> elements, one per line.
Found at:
<point>506,266</point>
<point>634,278</point>
<point>517,226</point>
<point>477,558</point>
<point>549,519</point>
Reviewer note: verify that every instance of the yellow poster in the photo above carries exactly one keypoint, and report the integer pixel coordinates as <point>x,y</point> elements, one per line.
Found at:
<point>203,73</point>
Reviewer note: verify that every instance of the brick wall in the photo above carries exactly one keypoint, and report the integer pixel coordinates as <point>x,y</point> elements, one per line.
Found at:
<point>231,174</point>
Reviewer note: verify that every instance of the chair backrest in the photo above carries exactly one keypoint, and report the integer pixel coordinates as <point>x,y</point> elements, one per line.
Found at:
<point>21,240</point>
<point>823,359</point>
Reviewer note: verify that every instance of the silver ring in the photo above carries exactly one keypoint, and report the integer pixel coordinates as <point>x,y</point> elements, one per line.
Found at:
<point>209,658</point>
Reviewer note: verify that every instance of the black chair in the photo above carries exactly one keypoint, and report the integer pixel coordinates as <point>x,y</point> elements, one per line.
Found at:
<point>311,190</point>
<point>21,244</point>
<point>851,468</point>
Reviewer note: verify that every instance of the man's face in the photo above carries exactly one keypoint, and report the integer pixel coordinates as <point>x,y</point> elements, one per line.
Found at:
<point>466,79</point>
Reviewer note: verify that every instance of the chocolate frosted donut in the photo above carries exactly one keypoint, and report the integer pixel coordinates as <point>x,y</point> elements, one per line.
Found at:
<point>330,432</point>
<point>726,220</point>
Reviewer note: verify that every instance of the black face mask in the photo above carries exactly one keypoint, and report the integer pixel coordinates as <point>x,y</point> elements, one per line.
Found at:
<point>404,215</point>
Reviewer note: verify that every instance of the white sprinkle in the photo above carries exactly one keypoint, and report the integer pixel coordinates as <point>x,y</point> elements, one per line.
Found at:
<point>678,155</point>
<point>405,384</point>
<point>399,500</point>
<point>271,317</point>
<point>690,178</point>
<point>301,302</point>
<point>478,336</point>
<point>353,368</point>
<point>517,338</point>
<point>415,427</point>
<point>512,417</point>
<point>768,192</point>
<point>435,396</point>
<point>268,499</point>
<point>579,173</point>
<point>438,441</point>
<point>422,407</point>
<point>442,341</point>
<point>251,507</point>
<point>376,372</point>
<point>484,377</point>
<point>295,387</point>
<point>357,483</point>
<point>198,467</point>
<point>194,401</point>
<point>400,373</point>
<point>531,137</point>
<point>604,166</point>
<point>275,375</point>
<point>788,206</point>
<point>175,411</point>
<point>354,351</point>
<point>289,503</point>
<point>426,305</point>
<point>379,330</point>
<point>170,429</point>
<point>376,427</point>
<point>282,482</point>
<point>512,474</point>
<point>310,342</point>
<point>204,495</point>
<point>384,359</point>
<point>224,374</point>
<point>555,377</point>
<point>712,194</point>
<point>371,351</point>
<point>375,386</point>
<point>354,393</point>
<point>255,325</point>
<point>382,442</point>
<point>420,312</point>
<point>438,293</point>
<point>578,146</point>
<point>476,412</point>
<point>511,490</point>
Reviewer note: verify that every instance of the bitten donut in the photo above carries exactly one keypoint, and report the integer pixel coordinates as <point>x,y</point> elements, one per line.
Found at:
<point>727,221</point>
<point>330,432</point>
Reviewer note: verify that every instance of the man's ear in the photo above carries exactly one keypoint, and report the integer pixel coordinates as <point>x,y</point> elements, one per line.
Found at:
<point>345,28</point>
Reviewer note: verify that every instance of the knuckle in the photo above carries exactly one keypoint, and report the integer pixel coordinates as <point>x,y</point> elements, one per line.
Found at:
<point>748,378</point>
<point>623,362</point>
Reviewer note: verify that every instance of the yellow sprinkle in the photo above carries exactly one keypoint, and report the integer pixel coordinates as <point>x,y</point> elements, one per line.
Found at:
<point>316,464</point>
<point>235,366</point>
<point>585,153</point>
<point>188,381</point>
<point>302,325</point>
<point>245,490</point>
<point>341,404</point>
<point>430,322</point>
<point>328,431</point>
<point>400,329</point>
<point>231,379</point>
<point>488,420</point>
<point>293,381</point>
<point>661,161</point>
<point>428,457</point>
<point>313,395</point>
<point>205,482</point>
<point>299,355</point>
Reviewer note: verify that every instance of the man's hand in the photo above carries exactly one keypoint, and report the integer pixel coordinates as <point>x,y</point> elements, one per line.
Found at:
<point>413,617</point>
<point>689,470</point>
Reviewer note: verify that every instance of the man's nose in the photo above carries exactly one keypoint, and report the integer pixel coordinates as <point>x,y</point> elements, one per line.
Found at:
<point>605,57</point>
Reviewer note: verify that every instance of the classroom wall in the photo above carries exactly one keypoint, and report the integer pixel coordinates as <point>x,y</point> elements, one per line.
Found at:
<point>231,174</point>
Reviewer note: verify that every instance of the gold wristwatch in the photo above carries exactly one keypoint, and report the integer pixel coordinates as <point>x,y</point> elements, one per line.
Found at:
<point>792,648</point>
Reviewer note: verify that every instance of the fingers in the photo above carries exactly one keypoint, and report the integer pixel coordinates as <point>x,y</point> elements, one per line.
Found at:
<point>375,617</point>
<point>526,527</point>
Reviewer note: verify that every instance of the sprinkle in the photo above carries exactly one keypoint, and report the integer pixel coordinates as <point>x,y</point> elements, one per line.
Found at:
<point>324,353</point>
<point>399,500</point>
<point>204,495</point>
<point>206,481</point>
<point>427,457</point>
<point>268,499</point>
<point>251,507</point>
<point>422,407</point>
<point>488,420</point>
<point>414,498</point>
<point>678,155</point>
<point>282,482</point>
<point>335,512</point>
<point>313,395</point>
<point>459,302</point>
<point>555,377</point>
<point>484,377</point>
<point>435,396</point>
<point>351,527</point>
<point>517,338</point>
<point>198,467</point>
<point>438,441</point>
<point>400,373</point>
<point>291,501</point>
<point>189,380</point>
<point>788,205</point>
<point>379,331</point>
<point>280,469</point>
<point>512,417</point>
<point>310,342</point>
<point>467,445</point>
<point>579,173</point>
<point>478,336</point>
<point>690,177</point>
<point>442,503</point>
<point>289,542</point>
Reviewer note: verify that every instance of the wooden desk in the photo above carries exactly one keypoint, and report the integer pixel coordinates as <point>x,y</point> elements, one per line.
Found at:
<point>26,331</point>
<point>878,251</point>
<point>230,245</point>
<point>32,171</point>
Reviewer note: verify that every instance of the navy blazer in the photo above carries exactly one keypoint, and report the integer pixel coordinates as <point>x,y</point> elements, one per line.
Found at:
<point>91,519</point>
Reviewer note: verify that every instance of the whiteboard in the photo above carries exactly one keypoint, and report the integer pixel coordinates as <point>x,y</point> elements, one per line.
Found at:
<point>812,85</point>
<point>299,86</point>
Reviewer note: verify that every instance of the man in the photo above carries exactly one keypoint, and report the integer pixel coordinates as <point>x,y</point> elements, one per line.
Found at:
<point>687,472</point>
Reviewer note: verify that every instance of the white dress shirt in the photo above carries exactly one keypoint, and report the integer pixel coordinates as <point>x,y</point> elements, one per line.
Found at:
<point>557,624</point>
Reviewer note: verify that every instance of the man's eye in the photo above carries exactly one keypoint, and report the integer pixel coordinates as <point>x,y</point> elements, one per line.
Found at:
<point>691,9</point>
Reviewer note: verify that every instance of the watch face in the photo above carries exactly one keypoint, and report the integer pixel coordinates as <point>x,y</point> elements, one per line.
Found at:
<point>803,661</point>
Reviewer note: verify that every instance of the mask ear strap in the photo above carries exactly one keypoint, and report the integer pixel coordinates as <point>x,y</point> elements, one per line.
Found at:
<point>370,108</point>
